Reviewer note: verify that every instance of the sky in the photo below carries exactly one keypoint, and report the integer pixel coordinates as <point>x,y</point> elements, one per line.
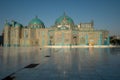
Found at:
<point>104,13</point>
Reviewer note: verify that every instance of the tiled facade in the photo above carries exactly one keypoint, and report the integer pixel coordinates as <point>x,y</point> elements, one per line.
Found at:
<point>63,32</point>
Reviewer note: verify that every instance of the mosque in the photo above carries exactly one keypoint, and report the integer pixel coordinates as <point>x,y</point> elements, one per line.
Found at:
<point>63,33</point>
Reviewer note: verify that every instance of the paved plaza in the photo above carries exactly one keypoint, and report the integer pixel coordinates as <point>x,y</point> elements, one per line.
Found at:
<point>34,63</point>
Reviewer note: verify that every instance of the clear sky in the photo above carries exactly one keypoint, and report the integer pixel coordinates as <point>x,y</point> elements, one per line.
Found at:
<point>105,13</point>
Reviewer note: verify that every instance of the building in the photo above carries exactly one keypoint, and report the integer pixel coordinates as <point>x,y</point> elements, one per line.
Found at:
<point>63,32</point>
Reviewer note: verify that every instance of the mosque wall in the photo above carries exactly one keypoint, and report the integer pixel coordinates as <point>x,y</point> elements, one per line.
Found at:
<point>64,32</point>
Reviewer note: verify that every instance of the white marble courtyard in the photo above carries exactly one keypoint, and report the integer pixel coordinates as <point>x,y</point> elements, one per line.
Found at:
<point>60,63</point>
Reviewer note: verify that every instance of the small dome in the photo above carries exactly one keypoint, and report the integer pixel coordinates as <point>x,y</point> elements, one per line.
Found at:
<point>64,19</point>
<point>7,25</point>
<point>18,25</point>
<point>36,23</point>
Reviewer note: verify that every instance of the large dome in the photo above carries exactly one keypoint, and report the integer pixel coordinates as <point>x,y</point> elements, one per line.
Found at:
<point>36,23</point>
<point>63,20</point>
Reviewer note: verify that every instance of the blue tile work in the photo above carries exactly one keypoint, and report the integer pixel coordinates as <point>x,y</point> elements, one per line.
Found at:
<point>86,39</point>
<point>100,39</point>
<point>62,63</point>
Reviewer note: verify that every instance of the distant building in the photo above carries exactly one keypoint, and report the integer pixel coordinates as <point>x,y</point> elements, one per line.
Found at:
<point>63,32</point>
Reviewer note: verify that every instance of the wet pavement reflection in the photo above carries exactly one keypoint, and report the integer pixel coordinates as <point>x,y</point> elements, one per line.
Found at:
<point>60,63</point>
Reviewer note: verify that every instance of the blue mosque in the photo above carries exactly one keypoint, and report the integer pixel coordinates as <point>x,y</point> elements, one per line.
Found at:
<point>63,33</point>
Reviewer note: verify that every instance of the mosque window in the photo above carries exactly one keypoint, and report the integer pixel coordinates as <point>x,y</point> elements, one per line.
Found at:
<point>38,26</point>
<point>25,34</point>
<point>51,37</point>
<point>33,34</point>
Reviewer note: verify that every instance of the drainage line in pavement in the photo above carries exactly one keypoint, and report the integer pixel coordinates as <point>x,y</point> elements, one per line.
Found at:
<point>11,77</point>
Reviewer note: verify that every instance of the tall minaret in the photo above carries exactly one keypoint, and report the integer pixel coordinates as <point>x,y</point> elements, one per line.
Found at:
<point>17,34</point>
<point>7,34</point>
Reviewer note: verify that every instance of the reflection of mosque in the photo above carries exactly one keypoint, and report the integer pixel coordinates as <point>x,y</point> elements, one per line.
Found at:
<point>63,32</point>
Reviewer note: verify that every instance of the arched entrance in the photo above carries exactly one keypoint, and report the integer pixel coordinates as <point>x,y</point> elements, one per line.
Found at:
<point>75,39</point>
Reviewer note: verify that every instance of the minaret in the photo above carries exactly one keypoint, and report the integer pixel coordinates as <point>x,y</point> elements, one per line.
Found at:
<point>17,34</point>
<point>92,23</point>
<point>7,34</point>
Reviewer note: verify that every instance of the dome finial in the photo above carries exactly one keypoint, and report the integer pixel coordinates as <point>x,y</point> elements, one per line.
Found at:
<point>92,22</point>
<point>36,17</point>
<point>6,21</point>
<point>64,13</point>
